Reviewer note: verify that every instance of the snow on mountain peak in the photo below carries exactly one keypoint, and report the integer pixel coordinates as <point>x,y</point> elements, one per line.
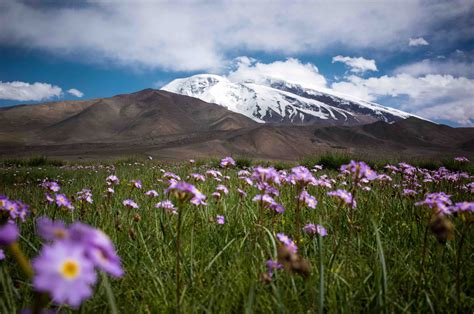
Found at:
<point>279,101</point>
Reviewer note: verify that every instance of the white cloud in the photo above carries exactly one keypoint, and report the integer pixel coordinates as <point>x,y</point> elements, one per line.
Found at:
<point>453,67</point>
<point>357,65</point>
<point>198,35</point>
<point>420,41</point>
<point>291,70</point>
<point>75,92</point>
<point>22,91</point>
<point>432,96</point>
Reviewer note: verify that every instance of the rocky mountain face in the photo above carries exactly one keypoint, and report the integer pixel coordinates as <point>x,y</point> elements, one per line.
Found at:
<point>277,101</point>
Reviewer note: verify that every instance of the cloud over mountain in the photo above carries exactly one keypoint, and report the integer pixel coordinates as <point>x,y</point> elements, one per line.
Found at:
<point>75,92</point>
<point>205,35</point>
<point>291,70</point>
<point>356,65</point>
<point>433,96</point>
<point>25,91</point>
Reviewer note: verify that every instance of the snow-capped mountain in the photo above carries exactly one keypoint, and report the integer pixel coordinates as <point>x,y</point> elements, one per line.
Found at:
<point>283,102</point>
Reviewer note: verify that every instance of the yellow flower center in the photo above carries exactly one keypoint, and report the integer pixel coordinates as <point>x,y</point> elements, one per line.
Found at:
<point>70,269</point>
<point>59,233</point>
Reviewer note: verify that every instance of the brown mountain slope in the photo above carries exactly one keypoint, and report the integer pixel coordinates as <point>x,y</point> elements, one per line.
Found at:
<point>172,126</point>
<point>138,116</point>
<point>409,134</point>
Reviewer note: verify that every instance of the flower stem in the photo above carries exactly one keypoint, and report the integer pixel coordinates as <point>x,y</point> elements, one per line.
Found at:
<point>298,219</point>
<point>110,294</point>
<point>21,259</point>
<point>458,267</point>
<point>178,256</point>
<point>423,255</point>
<point>321,274</point>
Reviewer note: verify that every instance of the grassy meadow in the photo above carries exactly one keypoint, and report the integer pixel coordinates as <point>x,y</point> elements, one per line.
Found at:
<point>385,255</point>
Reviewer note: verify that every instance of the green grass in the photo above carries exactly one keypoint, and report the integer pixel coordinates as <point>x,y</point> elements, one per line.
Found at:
<point>373,266</point>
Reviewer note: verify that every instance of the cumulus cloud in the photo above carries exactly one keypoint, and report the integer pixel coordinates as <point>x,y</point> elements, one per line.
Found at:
<point>356,65</point>
<point>22,91</point>
<point>420,41</point>
<point>75,92</point>
<point>291,70</point>
<point>205,35</point>
<point>433,96</point>
<point>456,64</point>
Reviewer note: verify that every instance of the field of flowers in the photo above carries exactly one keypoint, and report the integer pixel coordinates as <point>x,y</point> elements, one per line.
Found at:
<point>206,236</point>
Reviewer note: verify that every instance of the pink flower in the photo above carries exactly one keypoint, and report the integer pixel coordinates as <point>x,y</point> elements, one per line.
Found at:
<point>151,193</point>
<point>227,162</point>
<point>220,220</point>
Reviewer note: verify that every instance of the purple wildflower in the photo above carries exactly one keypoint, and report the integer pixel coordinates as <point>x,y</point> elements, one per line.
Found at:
<point>51,185</point>
<point>63,201</point>
<point>3,201</point>
<point>265,176</point>
<point>63,270</point>
<point>359,170</point>
<point>197,177</point>
<point>310,201</point>
<point>242,193</point>
<point>220,220</point>
<point>22,210</point>
<point>171,176</point>
<point>283,238</point>
<point>167,205</point>
<point>112,180</point>
<point>247,181</point>
<point>408,192</point>
<point>8,233</point>
<point>227,162</point>
<point>462,207</point>
<point>213,173</point>
<point>384,178</point>
<point>317,168</point>
<point>222,188</point>
<point>265,199</point>
<point>323,181</point>
<point>344,196</point>
<point>49,198</point>
<point>461,159</point>
<point>52,230</point>
<point>137,184</point>
<point>151,193</point>
<point>315,229</point>
<point>130,204</point>
<point>11,207</point>
<point>85,195</point>
<point>277,207</point>
<point>15,209</point>
<point>272,266</point>
<point>301,176</point>
<point>184,191</point>
<point>439,201</point>
<point>243,173</point>
<point>98,248</point>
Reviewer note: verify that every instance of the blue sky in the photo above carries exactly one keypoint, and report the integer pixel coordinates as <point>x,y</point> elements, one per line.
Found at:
<point>416,56</point>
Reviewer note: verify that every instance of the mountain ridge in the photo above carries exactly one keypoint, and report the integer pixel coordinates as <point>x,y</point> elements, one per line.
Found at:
<point>172,126</point>
<point>280,101</point>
